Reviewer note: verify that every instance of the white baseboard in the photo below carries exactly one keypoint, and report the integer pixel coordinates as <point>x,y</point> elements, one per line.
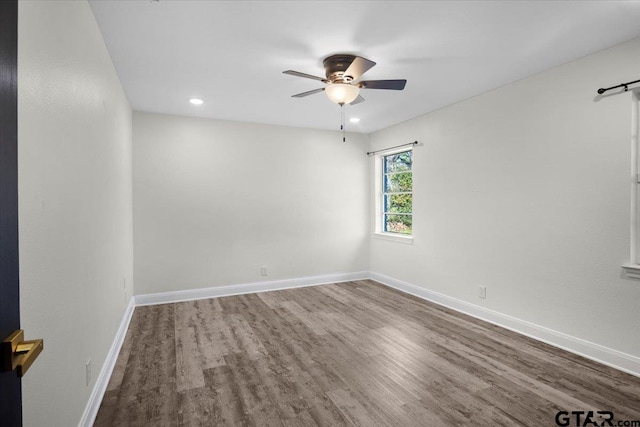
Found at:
<point>99,388</point>
<point>247,288</point>
<point>607,356</point>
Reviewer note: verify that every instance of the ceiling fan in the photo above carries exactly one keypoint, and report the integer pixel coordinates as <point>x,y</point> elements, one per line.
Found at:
<point>342,73</point>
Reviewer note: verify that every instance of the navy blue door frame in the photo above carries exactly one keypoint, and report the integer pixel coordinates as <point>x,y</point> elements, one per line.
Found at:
<point>10,386</point>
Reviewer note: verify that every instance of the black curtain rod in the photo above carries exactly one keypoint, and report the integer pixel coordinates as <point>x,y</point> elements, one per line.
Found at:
<point>624,85</point>
<point>390,148</point>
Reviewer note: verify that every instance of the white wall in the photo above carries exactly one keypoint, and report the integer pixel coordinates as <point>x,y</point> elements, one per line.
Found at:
<point>216,200</point>
<point>75,204</point>
<point>525,190</point>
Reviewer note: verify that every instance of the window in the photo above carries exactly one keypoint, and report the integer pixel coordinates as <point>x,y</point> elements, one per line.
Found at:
<point>632,268</point>
<point>396,196</point>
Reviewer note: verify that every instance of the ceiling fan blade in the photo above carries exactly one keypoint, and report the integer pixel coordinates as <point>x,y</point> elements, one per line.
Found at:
<point>303,94</point>
<point>358,67</point>
<point>306,76</point>
<point>358,100</point>
<point>383,84</point>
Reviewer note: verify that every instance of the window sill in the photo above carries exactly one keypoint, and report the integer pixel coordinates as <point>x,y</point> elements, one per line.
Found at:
<point>632,270</point>
<point>394,237</point>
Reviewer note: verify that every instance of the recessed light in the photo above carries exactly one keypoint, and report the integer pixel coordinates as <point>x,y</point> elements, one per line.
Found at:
<point>196,101</point>
<point>354,120</point>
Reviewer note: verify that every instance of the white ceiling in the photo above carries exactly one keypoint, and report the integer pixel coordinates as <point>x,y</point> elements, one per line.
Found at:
<point>232,53</point>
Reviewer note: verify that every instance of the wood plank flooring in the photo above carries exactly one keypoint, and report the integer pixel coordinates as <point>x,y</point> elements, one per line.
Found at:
<point>355,353</point>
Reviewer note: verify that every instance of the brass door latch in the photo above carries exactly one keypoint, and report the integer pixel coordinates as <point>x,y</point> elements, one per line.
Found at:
<point>16,354</point>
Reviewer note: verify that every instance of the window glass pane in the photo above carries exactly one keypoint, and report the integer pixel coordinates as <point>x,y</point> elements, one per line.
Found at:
<point>397,223</point>
<point>397,178</point>
<point>398,203</point>
<point>397,162</point>
<point>398,182</point>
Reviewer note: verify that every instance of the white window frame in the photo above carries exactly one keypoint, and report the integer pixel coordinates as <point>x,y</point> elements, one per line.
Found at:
<point>379,198</point>
<point>632,268</point>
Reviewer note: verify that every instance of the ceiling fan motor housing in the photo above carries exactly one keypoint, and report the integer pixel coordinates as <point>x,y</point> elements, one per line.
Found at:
<point>336,65</point>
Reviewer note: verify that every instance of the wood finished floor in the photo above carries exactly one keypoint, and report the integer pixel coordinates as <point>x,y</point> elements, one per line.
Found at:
<point>355,353</point>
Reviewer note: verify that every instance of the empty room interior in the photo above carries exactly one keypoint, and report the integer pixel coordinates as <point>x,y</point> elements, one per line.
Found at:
<point>301,213</point>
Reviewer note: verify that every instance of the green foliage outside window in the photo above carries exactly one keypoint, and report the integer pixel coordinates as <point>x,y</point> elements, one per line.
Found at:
<point>398,193</point>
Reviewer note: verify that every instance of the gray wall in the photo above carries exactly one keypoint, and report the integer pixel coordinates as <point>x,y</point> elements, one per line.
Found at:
<point>75,204</point>
<point>525,190</point>
<point>214,201</point>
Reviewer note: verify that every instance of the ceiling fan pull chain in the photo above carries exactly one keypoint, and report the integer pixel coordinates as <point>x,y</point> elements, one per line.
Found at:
<point>344,139</point>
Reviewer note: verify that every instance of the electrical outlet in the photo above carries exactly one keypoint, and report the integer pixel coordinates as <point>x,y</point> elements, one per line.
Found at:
<point>263,271</point>
<point>88,372</point>
<point>482,292</point>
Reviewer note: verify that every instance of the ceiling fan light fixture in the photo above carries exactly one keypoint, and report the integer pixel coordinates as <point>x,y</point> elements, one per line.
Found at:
<point>342,93</point>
